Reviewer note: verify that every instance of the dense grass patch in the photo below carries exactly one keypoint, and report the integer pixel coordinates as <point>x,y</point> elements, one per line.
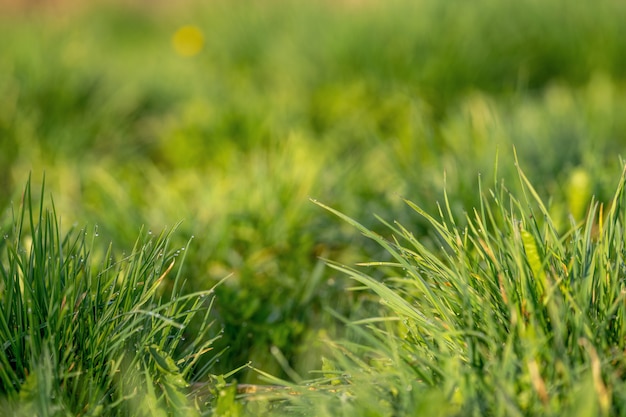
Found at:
<point>87,331</point>
<point>359,107</point>
<point>506,316</point>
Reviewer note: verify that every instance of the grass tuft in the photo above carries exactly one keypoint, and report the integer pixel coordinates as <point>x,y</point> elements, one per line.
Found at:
<point>87,332</point>
<point>504,315</point>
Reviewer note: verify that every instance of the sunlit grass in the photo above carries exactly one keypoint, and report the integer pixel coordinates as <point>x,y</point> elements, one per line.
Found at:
<point>86,330</point>
<point>506,316</point>
<point>356,106</point>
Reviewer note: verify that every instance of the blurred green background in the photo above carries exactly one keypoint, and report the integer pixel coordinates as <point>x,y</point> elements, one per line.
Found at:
<point>231,115</point>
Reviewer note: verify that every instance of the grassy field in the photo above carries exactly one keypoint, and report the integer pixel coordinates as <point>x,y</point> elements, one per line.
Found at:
<point>410,208</point>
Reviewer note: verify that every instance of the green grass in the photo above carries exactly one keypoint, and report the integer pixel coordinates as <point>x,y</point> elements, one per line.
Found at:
<point>508,316</point>
<point>389,101</point>
<point>88,331</point>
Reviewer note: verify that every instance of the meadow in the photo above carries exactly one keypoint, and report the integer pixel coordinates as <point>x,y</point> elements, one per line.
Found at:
<point>313,208</point>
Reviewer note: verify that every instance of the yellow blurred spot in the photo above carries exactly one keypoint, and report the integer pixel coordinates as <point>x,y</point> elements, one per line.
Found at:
<point>579,189</point>
<point>188,40</point>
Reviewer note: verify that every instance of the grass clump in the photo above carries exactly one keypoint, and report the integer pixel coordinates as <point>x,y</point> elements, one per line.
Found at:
<point>88,332</point>
<point>501,315</point>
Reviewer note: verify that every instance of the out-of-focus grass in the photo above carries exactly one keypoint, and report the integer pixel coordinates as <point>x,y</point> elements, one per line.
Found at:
<point>354,105</point>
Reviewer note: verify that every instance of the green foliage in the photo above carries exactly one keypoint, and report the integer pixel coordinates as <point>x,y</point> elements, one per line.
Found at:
<point>507,317</point>
<point>358,106</point>
<point>89,332</point>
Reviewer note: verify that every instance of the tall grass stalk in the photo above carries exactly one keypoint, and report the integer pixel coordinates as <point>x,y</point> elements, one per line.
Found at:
<point>87,332</point>
<point>503,315</point>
